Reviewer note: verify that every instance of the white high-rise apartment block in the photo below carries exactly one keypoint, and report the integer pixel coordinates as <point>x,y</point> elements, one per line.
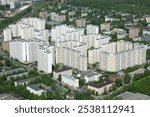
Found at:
<point>27,33</point>
<point>72,58</point>
<point>15,29</point>
<point>70,80</point>
<point>29,28</point>
<point>45,59</point>
<point>23,50</point>
<point>7,34</point>
<point>42,35</point>
<point>70,50</point>
<point>36,23</point>
<point>92,29</point>
<point>27,51</point>
<point>65,33</point>
<point>18,50</point>
<point>121,55</point>
<point>95,40</point>
<point>94,56</point>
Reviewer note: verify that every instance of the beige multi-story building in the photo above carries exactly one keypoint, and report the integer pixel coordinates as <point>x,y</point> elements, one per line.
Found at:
<point>95,40</point>
<point>121,33</point>
<point>147,18</point>
<point>64,32</point>
<point>57,17</point>
<point>43,14</point>
<point>105,27</point>
<point>71,57</point>
<point>121,55</point>
<point>133,33</point>
<point>71,13</point>
<point>80,22</point>
<point>5,46</point>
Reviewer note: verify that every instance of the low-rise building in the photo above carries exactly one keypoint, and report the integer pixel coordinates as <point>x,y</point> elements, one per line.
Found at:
<point>147,18</point>
<point>70,81</point>
<point>111,19</point>
<point>91,76</point>
<point>148,68</point>
<point>35,89</point>
<point>43,14</point>
<point>12,71</point>
<point>134,33</point>
<point>114,77</point>
<point>57,17</point>
<point>80,22</point>
<point>26,81</point>
<point>71,13</point>
<point>84,14</point>
<point>146,31</point>
<point>105,27</point>
<point>62,71</point>
<point>4,68</point>
<point>121,33</point>
<point>100,88</point>
<point>17,75</point>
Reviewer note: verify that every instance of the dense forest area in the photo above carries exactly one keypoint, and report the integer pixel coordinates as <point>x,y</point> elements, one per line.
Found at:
<point>132,6</point>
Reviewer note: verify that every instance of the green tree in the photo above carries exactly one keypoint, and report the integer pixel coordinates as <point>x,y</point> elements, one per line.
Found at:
<point>127,79</point>
<point>118,82</point>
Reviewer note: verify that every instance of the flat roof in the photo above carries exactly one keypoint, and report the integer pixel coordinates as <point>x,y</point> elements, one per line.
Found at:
<point>28,79</point>
<point>133,96</point>
<point>100,85</point>
<point>13,70</point>
<point>90,73</point>
<point>17,75</point>
<point>7,97</point>
<point>35,87</point>
<point>63,68</point>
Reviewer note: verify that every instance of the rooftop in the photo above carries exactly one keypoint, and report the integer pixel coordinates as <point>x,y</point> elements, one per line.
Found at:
<point>100,85</point>
<point>11,71</point>
<point>29,79</point>
<point>35,87</point>
<point>133,96</point>
<point>90,73</point>
<point>7,97</point>
<point>62,69</point>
